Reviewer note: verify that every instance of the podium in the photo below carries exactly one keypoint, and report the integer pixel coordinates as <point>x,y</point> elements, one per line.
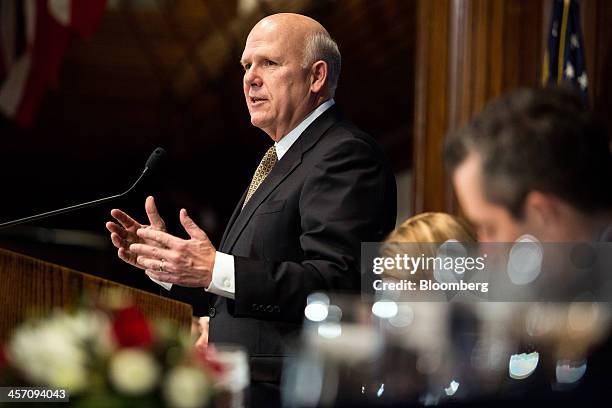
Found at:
<point>32,288</point>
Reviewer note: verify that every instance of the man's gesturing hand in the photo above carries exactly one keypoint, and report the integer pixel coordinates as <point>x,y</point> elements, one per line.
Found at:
<point>124,234</point>
<point>174,260</point>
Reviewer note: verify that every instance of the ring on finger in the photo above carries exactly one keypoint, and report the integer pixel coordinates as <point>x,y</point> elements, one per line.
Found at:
<point>161,265</point>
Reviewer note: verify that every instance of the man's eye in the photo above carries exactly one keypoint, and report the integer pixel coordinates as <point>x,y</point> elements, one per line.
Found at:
<point>246,67</point>
<point>269,62</point>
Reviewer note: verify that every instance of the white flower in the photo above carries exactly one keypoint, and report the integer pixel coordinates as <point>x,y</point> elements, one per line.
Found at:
<point>186,387</point>
<point>133,371</point>
<point>87,325</point>
<point>70,377</point>
<point>49,354</point>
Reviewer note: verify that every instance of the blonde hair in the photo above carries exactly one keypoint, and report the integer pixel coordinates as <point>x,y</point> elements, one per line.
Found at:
<point>426,228</point>
<point>433,227</point>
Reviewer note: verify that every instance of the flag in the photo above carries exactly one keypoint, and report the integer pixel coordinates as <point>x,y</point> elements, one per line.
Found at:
<point>34,36</point>
<point>564,58</point>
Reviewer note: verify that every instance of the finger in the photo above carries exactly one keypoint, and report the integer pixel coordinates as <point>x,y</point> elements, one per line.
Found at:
<point>155,219</point>
<point>160,237</point>
<point>154,252</point>
<point>125,220</point>
<point>125,256</point>
<point>116,229</point>
<point>160,276</point>
<point>152,274</point>
<point>190,226</point>
<point>118,242</point>
<point>149,263</point>
<point>155,264</point>
<point>127,237</point>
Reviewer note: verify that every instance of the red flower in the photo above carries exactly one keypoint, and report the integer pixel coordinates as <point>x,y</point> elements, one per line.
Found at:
<point>208,360</point>
<point>131,328</point>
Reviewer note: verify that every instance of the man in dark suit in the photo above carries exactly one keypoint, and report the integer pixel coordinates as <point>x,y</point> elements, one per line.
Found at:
<point>321,189</point>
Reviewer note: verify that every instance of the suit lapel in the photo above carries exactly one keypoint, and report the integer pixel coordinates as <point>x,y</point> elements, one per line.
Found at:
<point>290,161</point>
<point>232,220</point>
<point>280,171</point>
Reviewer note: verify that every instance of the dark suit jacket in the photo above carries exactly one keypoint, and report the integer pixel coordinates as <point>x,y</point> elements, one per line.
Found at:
<point>300,233</point>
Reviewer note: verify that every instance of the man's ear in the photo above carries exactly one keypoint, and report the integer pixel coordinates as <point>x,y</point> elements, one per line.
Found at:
<point>541,209</point>
<point>318,73</point>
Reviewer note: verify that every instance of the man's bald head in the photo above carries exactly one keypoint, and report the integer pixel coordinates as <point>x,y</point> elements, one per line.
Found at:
<point>309,36</point>
<point>291,66</point>
<point>295,25</point>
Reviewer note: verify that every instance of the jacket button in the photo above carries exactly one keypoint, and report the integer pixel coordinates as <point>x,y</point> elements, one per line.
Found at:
<point>269,308</point>
<point>212,312</point>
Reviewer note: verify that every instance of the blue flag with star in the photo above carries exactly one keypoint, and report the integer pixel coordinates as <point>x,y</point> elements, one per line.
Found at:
<point>564,59</point>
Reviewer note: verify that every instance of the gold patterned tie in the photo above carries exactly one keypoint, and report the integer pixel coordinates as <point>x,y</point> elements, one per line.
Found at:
<point>264,168</point>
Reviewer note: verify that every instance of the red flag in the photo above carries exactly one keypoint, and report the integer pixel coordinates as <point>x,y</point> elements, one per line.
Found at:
<point>47,26</point>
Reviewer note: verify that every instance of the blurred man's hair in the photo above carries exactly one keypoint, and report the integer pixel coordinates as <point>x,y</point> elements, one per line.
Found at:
<point>537,140</point>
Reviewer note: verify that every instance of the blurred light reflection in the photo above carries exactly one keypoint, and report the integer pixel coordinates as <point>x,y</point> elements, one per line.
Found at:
<point>452,388</point>
<point>384,309</point>
<point>569,372</point>
<point>451,249</point>
<point>329,330</point>
<point>380,391</point>
<point>523,365</point>
<point>317,307</point>
<point>403,318</point>
<point>316,312</point>
<point>525,260</point>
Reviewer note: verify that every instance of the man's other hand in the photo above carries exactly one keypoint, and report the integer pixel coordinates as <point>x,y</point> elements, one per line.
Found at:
<point>123,232</point>
<point>166,258</point>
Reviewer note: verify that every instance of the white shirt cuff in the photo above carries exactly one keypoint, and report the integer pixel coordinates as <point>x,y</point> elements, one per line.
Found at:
<point>164,285</point>
<point>223,276</point>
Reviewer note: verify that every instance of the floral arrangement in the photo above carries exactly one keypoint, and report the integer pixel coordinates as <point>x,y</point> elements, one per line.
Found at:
<point>110,358</point>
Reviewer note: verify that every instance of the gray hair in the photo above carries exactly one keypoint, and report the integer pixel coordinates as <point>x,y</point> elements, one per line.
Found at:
<point>321,47</point>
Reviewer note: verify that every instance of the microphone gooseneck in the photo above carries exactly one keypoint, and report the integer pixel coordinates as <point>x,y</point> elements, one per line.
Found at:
<point>152,162</point>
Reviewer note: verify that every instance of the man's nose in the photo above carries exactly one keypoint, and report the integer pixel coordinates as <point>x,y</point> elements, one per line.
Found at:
<point>252,78</point>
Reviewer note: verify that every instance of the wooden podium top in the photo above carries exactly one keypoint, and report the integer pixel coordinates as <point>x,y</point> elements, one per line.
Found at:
<point>30,287</point>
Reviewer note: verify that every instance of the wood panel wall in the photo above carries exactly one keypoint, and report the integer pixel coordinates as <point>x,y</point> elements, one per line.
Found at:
<point>597,32</point>
<point>470,51</point>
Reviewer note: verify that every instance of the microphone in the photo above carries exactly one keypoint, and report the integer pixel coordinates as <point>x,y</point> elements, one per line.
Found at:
<point>152,162</point>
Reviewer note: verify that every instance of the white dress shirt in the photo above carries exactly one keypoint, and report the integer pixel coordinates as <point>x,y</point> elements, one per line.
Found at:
<point>223,274</point>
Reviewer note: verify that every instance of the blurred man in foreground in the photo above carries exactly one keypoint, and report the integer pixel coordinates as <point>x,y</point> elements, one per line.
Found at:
<point>534,162</point>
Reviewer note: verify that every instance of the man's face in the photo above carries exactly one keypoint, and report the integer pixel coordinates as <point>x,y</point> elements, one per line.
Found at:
<point>494,223</point>
<point>276,87</point>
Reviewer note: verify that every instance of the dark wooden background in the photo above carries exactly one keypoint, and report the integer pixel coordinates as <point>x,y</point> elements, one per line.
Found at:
<point>166,73</point>
<point>470,51</point>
